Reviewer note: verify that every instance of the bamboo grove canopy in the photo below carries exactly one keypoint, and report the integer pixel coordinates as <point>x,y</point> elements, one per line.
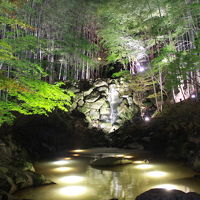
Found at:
<point>46,42</point>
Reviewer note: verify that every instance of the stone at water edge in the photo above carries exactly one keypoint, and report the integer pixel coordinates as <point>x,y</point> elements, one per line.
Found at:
<point>163,194</point>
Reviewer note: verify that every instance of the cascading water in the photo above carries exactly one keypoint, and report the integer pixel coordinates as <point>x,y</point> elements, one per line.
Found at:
<point>113,99</point>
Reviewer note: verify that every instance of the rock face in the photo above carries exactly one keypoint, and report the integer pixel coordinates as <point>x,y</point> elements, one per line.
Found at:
<point>163,194</point>
<point>106,103</point>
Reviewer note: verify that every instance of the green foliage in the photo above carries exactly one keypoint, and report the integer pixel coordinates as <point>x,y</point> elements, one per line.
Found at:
<point>151,21</point>
<point>30,96</point>
<point>5,51</point>
<point>123,73</point>
<point>141,84</point>
<point>22,44</point>
<point>21,87</point>
<point>41,97</point>
<point>166,55</point>
<point>178,69</point>
<point>6,115</point>
<point>138,84</point>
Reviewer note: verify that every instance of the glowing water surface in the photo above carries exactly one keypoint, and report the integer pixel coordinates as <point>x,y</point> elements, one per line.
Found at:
<point>77,180</point>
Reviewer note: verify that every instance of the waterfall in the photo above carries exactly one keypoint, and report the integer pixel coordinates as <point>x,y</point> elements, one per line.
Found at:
<point>113,98</point>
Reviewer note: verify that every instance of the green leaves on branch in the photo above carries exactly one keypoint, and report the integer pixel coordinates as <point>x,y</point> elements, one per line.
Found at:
<point>181,67</point>
<point>141,84</point>
<point>14,22</point>
<point>124,74</point>
<point>21,87</point>
<point>41,97</point>
<point>29,96</point>
<point>6,52</point>
<point>137,83</point>
<point>23,44</point>
<point>6,116</point>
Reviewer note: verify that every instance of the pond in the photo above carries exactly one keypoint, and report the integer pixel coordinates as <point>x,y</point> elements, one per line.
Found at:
<point>76,179</point>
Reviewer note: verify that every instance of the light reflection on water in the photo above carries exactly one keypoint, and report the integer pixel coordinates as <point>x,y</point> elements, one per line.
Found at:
<point>77,180</point>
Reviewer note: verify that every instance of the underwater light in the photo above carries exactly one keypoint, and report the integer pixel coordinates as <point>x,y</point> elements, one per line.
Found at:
<point>147,119</point>
<point>128,157</point>
<point>61,162</point>
<point>76,155</point>
<point>139,162</point>
<point>68,158</point>
<point>63,169</point>
<point>156,174</point>
<point>73,190</point>
<point>193,96</point>
<point>144,166</point>
<point>72,179</point>
<point>78,150</point>
<point>120,155</point>
<point>99,58</point>
<point>167,186</point>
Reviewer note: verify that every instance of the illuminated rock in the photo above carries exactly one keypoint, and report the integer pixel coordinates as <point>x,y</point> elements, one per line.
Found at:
<point>100,83</point>
<point>103,89</point>
<point>81,102</point>
<point>97,105</point>
<point>93,97</point>
<point>106,126</point>
<point>105,109</point>
<point>88,92</point>
<point>94,114</point>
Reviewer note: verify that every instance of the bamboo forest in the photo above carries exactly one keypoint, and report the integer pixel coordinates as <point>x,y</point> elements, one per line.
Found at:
<point>99,99</point>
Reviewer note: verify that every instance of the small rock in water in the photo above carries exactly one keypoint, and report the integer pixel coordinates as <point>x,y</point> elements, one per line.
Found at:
<point>109,161</point>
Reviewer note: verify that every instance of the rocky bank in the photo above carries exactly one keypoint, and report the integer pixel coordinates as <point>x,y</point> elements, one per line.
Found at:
<point>16,169</point>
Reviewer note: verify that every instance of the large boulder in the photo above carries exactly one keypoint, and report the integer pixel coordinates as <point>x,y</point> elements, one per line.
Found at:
<point>163,194</point>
